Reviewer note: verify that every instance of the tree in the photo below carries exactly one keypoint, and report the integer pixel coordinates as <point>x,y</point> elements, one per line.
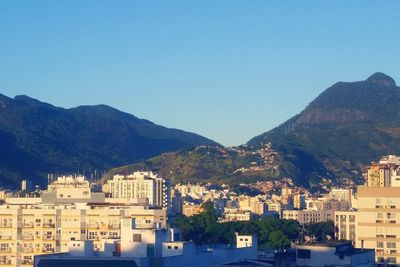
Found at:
<point>204,228</point>
<point>321,230</point>
<point>278,240</point>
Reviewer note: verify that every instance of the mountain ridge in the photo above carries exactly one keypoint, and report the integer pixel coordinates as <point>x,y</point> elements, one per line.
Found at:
<point>344,128</point>
<point>41,138</point>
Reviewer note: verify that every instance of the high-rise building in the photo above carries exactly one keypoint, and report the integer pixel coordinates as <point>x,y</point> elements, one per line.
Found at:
<point>374,224</point>
<point>141,185</point>
<point>299,201</point>
<point>68,211</point>
<point>384,173</point>
<point>26,185</point>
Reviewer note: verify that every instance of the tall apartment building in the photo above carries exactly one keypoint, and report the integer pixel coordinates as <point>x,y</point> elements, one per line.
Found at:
<point>299,201</point>
<point>252,204</point>
<point>375,224</point>
<point>141,185</point>
<point>384,173</point>
<point>46,224</point>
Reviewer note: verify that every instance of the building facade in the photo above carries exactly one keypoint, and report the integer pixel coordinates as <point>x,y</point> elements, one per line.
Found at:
<point>141,185</point>
<point>374,224</point>
<point>308,216</point>
<point>67,212</point>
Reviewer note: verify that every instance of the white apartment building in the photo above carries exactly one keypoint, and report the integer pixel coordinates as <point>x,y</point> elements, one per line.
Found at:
<point>252,204</point>
<point>46,224</point>
<point>141,185</point>
<point>333,254</point>
<point>341,194</point>
<point>194,190</point>
<point>308,216</point>
<point>152,247</point>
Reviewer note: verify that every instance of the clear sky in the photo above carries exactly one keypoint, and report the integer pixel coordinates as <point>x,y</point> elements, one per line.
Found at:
<point>228,70</point>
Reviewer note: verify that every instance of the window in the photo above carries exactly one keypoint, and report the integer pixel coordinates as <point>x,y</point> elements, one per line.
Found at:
<point>390,215</point>
<point>137,238</point>
<point>380,260</point>
<point>379,244</point>
<point>303,254</point>
<point>391,260</point>
<point>391,244</point>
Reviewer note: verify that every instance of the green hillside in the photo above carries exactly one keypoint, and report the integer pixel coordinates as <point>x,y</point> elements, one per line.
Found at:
<point>346,127</point>
<point>37,138</point>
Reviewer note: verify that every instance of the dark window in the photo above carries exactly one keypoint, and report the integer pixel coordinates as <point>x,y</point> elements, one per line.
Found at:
<point>303,253</point>
<point>137,238</point>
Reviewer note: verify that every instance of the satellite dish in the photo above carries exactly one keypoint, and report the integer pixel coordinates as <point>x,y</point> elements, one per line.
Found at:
<point>307,238</point>
<point>328,237</point>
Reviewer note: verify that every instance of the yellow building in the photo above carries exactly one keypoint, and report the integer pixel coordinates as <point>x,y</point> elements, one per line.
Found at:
<point>68,211</point>
<point>384,173</point>
<point>375,224</point>
<point>26,230</point>
<point>252,204</point>
<point>191,209</point>
<point>378,175</point>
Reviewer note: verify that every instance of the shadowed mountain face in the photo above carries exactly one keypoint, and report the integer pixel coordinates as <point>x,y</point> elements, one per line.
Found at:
<point>37,138</point>
<point>344,128</point>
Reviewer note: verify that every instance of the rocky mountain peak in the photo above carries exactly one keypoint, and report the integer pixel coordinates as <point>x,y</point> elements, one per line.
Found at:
<point>382,79</point>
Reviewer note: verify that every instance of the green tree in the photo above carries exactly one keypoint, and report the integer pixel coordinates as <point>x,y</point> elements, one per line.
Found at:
<point>321,230</point>
<point>278,240</point>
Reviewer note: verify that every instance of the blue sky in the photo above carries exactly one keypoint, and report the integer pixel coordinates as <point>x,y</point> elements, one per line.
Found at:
<point>228,70</point>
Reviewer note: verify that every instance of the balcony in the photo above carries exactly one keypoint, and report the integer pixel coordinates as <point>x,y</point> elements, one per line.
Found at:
<point>113,237</point>
<point>5,237</point>
<point>6,225</point>
<point>49,225</point>
<point>93,225</point>
<point>27,237</point>
<point>5,262</point>
<point>27,225</point>
<point>27,249</point>
<point>113,226</point>
<point>48,237</point>
<point>48,250</point>
<point>27,262</point>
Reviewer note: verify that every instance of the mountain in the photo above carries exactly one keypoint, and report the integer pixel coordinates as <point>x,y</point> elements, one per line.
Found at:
<point>213,164</point>
<point>37,138</point>
<point>346,127</point>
